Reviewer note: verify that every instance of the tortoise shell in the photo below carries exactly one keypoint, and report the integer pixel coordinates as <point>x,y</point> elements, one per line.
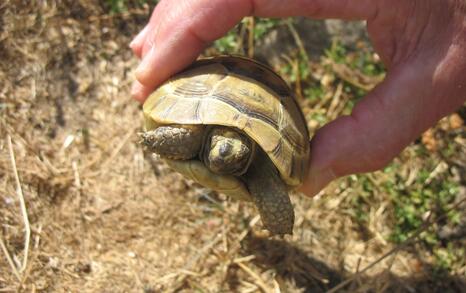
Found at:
<point>242,93</point>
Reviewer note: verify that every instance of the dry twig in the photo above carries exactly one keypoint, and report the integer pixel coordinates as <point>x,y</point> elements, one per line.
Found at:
<point>298,41</point>
<point>10,260</point>
<point>19,192</point>
<point>251,23</point>
<point>255,276</point>
<point>355,77</point>
<point>118,148</point>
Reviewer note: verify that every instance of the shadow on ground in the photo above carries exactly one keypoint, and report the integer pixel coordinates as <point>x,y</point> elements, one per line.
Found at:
<point>299,268</point>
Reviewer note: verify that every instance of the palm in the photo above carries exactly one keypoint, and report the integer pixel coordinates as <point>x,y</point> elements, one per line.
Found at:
<point>406,28</point>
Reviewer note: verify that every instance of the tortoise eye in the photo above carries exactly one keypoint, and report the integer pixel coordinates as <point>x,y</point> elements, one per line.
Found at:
<point>225,149</point>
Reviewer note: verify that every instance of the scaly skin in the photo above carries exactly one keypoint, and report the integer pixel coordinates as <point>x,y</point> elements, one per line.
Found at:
<point>176,142</point>
<point>270,194</point>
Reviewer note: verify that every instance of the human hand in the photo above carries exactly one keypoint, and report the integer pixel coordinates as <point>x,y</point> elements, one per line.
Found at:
<point>421,42</point>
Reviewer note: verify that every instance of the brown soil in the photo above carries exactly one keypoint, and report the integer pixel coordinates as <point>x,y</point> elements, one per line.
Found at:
<point>106,217</point>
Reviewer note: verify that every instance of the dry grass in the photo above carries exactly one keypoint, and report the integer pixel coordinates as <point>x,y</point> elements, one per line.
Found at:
<point>106,217</point>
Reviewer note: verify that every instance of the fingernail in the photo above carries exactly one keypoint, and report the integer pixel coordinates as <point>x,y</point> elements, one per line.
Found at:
<point>140,92</point>
<point>145,64</point>
<point>136,91</point>
<point>132,44</point>
<point>137,39</point>
<point>317,180</point>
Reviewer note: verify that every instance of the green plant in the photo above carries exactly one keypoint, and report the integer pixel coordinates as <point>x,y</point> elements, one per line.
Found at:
<point>227,44</point>
<point>361,201</point>
<point>314,92</point>
<point>237,37</point>
<point>448,257</point>
<point>412,203</point>
<point>118,6</point>
<point>264,25</point>
<point>427,196</point>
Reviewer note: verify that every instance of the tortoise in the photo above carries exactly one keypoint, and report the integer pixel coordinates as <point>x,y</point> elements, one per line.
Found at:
<point>232,124</point>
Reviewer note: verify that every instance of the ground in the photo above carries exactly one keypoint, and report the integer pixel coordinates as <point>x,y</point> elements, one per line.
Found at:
<point>84,208</point>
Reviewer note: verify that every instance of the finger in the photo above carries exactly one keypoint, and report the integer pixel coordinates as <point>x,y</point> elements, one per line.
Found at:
<point>341,9</point>
<point>139,92</point>
<point>138,42</point>
<point>411,99</point>
<point>182,29</point>
<point>146,34</point>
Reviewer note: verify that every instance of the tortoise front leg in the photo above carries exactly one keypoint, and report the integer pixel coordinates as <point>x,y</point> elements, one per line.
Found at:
<point>176,142</point>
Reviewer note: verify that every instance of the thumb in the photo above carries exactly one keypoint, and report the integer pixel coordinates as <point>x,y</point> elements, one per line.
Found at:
<point>410,99</point>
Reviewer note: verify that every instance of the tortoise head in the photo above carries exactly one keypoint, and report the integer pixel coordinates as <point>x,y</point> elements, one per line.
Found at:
<point>226,151</point>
